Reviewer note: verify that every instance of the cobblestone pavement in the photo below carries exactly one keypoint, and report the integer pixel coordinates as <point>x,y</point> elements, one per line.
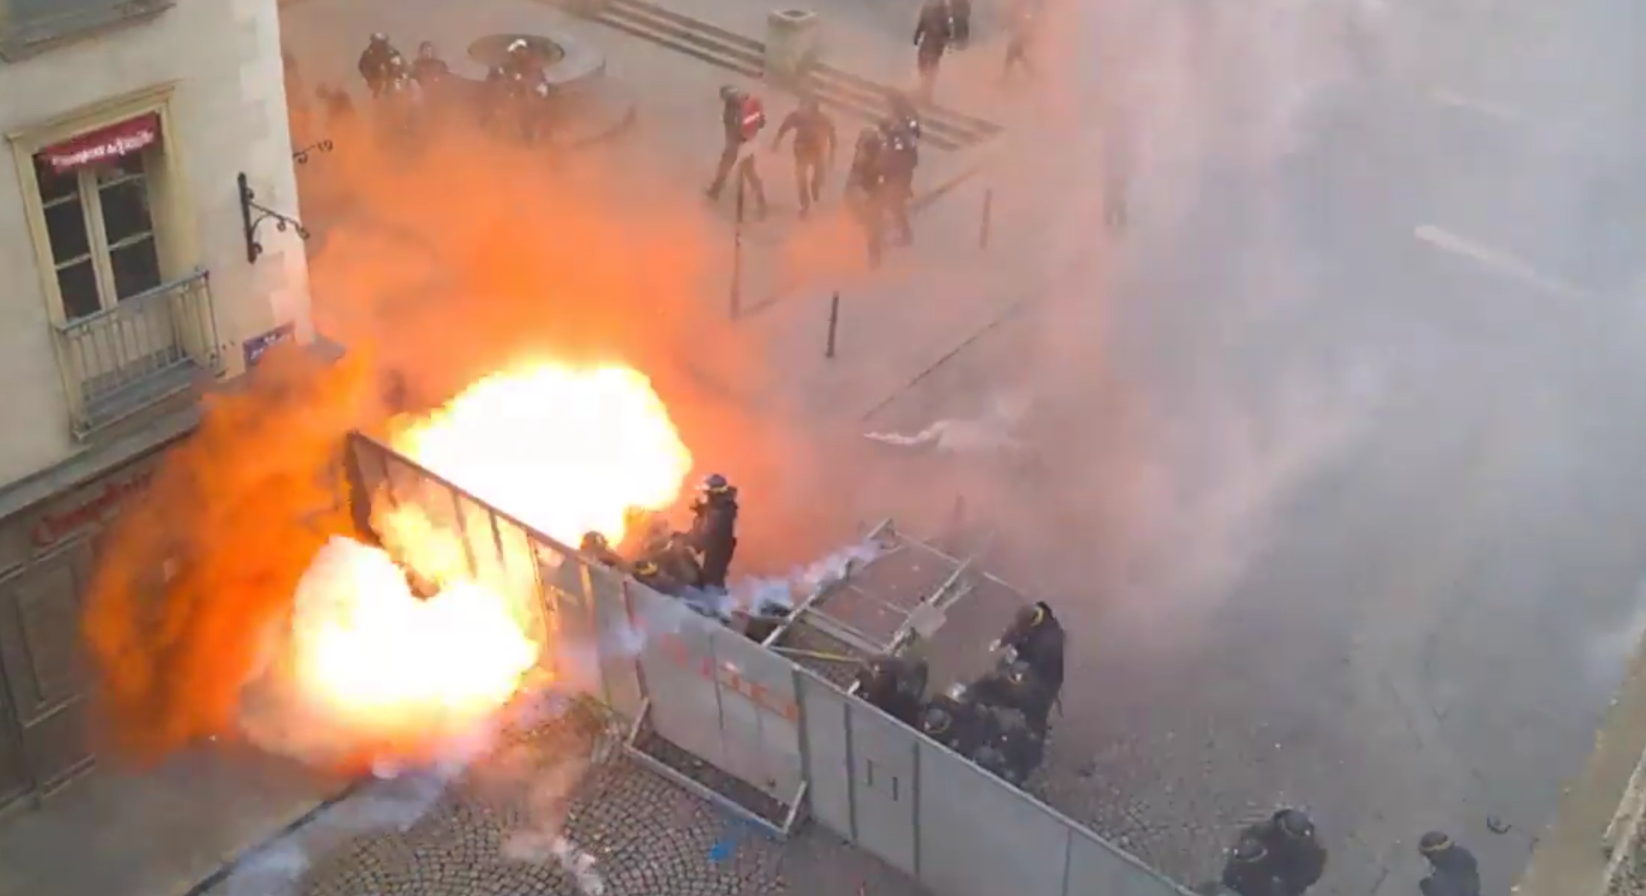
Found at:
<point>490,832</point>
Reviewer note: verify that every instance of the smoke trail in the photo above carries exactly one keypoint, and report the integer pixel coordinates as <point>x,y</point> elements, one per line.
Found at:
<point>781,591</point>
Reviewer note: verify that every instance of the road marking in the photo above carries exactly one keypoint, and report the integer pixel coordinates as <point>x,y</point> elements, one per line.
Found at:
<point>1500,263</point>
<point>1454,100</point>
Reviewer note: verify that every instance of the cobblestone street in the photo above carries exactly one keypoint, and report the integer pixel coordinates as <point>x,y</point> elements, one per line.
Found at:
<point>493,830</point>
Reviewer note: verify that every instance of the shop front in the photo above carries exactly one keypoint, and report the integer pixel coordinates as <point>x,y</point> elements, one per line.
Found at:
<point>46,554</point>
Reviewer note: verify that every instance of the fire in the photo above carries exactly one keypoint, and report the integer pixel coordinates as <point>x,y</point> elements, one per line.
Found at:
<point>564,450</point>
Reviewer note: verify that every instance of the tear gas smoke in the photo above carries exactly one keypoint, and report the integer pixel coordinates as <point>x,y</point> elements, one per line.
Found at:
<point>753,593</point>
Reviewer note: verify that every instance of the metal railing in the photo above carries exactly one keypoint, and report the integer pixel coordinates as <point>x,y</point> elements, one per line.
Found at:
<point>143,350</point>
<point>32,26</point>
<point>765,739</point>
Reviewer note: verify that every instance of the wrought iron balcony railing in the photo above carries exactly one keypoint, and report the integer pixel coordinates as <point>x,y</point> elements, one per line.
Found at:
<point>149,347</point>
<point>28,27</point>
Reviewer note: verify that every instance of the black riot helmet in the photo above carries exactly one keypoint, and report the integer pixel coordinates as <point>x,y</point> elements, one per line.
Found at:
<point>518,48</point>
<point>594,543</point>
<point>379,39</point>
<point>1249,851</point>
<point>1294,824</point>
<point>425,50</point>
<point>1434,843</point>
<point>729,94</point>
<point>715,484</point>
<point>645,569</point>
<point>936,721</point>
<point>1019,674</point>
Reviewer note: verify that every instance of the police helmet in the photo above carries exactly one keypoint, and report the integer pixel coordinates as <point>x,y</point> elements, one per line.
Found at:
<point>936,721</point>
<point>379,38</point>
<point>1019,673</point>
<point>728,92</point>
<point>1249,851</point>
<point>594,542</point>
<point>1433,843</point>
<point>715,484</point>
<point>1294,823</point>
<point>426,49</point>
<point>645,568</point>
<point>957,692</point>
<point>518,46</point>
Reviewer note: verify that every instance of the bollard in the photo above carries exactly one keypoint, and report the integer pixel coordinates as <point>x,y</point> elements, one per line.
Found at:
<point>988,214</point>
<point>735,300</point>
<point>834,324</point>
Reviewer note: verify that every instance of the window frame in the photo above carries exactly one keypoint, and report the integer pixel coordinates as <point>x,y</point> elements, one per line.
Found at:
<point>171,218</point>
<point>89,189</point>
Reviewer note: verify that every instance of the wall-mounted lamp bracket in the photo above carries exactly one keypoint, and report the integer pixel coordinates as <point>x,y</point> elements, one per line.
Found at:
<point>301,157</point>
<point>248,204</point>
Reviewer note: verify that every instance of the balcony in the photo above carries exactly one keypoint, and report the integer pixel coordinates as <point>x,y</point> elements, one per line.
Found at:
<point>144,350</point>
<point>28,27</point>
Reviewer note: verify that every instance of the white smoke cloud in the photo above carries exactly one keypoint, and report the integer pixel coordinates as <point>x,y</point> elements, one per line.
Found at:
<point>787,591</point>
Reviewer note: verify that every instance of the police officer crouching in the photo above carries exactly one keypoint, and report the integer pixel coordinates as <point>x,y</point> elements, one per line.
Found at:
<point>955,720</point>
<point>1250,870</point>
<point>1014,749</point>
<point>714,529</point>
<point>1452,869</point>
<point>894,685</point>
<point>1014,685</point>
<point>1292,855</point>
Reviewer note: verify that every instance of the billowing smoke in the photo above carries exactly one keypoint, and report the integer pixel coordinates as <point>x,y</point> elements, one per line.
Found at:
<point>756,593</point>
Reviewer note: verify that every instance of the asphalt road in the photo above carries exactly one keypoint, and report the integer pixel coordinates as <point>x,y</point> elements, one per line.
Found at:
<point>1347,513</point>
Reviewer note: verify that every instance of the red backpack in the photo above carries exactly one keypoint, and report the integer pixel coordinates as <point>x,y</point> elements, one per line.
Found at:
<point>754,117</point>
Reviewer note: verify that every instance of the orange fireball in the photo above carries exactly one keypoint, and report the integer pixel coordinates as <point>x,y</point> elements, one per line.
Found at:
<point>564,450</point>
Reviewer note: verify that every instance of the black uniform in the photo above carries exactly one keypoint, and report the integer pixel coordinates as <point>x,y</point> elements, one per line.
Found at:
<point>814,148</point>
<point>865,190</point>
<point>956,721</point>
<point>1250,869</point>
<point>734,110</point>
<point>1297,860</point>
<point>899,158</point>
<point>375,63</point>
<point>933,33</point>
<point>714,531</point>
<point>1453,870</point>
<point>429,70</point>
<point>1019,747</point>
<point>1038,638</point>
<point>895,685</point>
<point>648,573</point>
<point>1015,686</point>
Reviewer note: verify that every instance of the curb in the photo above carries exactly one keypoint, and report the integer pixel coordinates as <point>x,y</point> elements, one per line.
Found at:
<point>227,869</point>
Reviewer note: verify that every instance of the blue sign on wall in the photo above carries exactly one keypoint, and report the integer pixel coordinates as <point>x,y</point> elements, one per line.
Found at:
<point>257,346</point>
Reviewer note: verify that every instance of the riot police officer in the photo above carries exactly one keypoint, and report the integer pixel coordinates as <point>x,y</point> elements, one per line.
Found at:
<point>1296,857</point>
<point>1021,748</point>
<point>933,33</point>
<point>865,190</point>
<point>714,529</point>
<point>597,548</point>
<point>1250,869</point>
<point>814,149</point>
<point>428,68</point>
<point>375,63</point>
<point>1037,637</point>
<point>1014,685</point>
<point>896,685</point>
<point>673,555</point>
<point>955,720</point>
<point>1452,869</point>
<point>899,158</point>
<point>648,573</point>
<point>901,112</point>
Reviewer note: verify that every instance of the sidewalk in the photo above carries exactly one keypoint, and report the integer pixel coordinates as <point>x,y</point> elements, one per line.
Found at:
<point>158,834</point>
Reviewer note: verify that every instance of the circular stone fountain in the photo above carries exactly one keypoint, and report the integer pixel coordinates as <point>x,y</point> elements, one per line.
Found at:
<point>593,107</point>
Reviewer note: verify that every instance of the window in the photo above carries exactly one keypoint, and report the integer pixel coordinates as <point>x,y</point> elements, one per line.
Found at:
<point>101,230</point>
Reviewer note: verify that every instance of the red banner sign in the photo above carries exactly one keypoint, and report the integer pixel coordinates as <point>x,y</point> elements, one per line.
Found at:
<point>104,144</point>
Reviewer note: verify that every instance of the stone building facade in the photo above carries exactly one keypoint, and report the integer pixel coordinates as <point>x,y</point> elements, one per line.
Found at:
<point>126,291</point>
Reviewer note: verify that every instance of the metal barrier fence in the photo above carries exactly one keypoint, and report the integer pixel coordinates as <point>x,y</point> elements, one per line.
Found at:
<point>754,715</point>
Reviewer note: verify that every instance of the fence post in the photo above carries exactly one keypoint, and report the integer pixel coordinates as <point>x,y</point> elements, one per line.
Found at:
<point>988,215</point>
<point>736,298</point>
<point>834,324</point>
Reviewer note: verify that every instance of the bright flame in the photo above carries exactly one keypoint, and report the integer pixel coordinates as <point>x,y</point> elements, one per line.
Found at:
<point>389,667</point>
<point>564,450</point>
